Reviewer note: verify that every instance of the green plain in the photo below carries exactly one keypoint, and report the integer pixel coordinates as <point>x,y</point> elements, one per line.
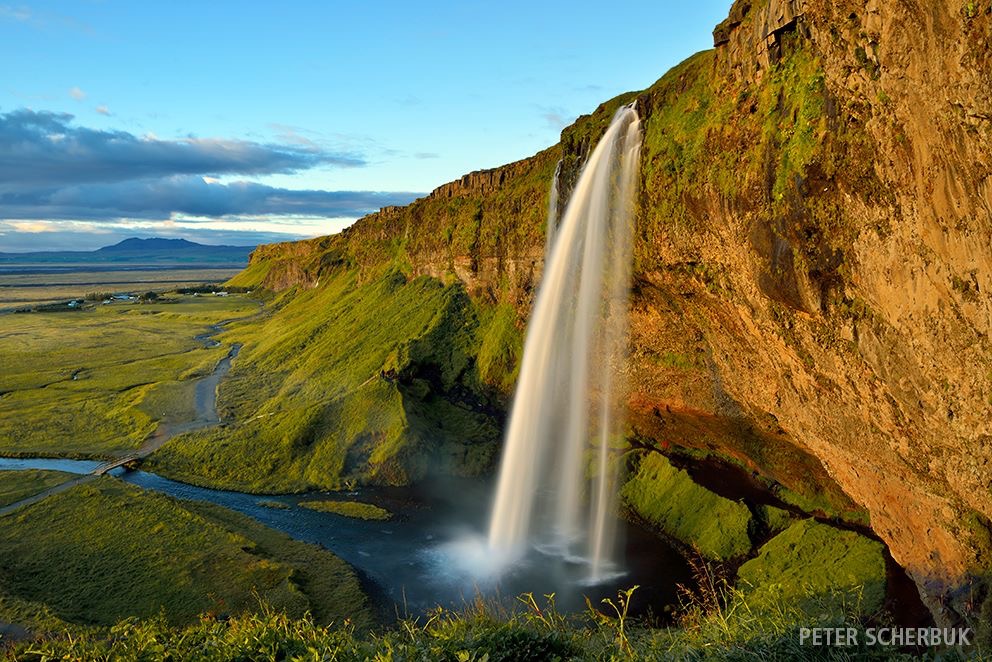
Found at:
<point>104,551</point>
<point>17,485</point>
<point>96,381</point>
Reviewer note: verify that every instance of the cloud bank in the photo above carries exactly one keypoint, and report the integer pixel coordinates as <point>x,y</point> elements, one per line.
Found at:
<point>152,199</point>
<point>51,169</point>
<point>45,149</point>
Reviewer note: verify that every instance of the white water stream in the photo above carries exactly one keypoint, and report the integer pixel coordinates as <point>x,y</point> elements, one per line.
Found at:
<point>564,413</point>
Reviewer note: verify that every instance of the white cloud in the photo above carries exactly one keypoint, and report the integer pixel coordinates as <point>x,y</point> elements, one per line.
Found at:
<point>22,14</point>
<point>32,227</point>
<point>103,110</point>
<point>77,93</point>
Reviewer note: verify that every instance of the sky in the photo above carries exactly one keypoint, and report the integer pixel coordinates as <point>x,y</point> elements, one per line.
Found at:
<point>245,123</point>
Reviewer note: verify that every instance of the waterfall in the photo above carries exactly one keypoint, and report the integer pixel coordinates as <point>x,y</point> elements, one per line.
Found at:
<point>567,392</point>
<point>549,235</point>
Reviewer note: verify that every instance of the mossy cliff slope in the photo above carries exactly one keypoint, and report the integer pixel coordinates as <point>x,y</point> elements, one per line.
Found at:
<point>812,266</point>
<point>362,378</point>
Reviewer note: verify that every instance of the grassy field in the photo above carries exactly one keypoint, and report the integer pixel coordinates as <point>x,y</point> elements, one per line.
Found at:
<point>95,381</point>
<point>29,289</point>
<point>17,485</point>
<point>107,550</point>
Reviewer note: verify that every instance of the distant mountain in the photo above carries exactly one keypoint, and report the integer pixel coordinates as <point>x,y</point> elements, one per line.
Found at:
<point>155,251</point>
<point>158,244</point>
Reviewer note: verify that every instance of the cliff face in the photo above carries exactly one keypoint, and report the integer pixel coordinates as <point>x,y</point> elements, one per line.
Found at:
<point>841,300</point>
<point>813,264</point>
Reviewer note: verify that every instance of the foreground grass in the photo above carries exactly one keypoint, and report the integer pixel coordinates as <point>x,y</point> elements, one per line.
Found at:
<point>95,382</point>
<point>366,511</point>
<point>533,632</point>
<point>17,485</point>
<point>107,550</point>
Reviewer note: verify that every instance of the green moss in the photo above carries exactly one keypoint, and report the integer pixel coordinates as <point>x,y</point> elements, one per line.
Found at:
<point>775,520</point>
<point>815,564</point>
<point>817,501</point>
<point>501,347</point>
<point>675,360</point>
<point>18,485</point>
<point>668,498</point>
<point>356,509</point>
<point>792,104</point>
<point>106,550</point>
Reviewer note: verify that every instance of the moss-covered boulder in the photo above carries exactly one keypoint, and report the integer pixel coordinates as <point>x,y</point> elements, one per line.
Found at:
<point>817,568</point>
<point>671,501</point>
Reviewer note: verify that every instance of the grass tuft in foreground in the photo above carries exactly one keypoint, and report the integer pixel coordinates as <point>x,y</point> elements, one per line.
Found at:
<point>725,629</point>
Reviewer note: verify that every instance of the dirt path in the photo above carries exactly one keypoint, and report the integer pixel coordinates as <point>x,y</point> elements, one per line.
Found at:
<point>61,487</point>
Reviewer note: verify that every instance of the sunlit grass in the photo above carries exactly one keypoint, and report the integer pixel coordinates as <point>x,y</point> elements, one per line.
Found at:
<point>17,485</point>
<point>98,380</point>
<point>353,381</point>
<point>535,630</point>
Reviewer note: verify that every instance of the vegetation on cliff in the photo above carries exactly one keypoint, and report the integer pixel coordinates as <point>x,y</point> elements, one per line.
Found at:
<point>370,380</point>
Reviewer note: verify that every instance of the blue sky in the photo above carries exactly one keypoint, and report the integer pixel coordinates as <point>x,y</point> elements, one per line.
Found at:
<point>234,122</point>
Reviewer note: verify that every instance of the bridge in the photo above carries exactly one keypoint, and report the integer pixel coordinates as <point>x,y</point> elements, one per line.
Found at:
<point>107,467</point>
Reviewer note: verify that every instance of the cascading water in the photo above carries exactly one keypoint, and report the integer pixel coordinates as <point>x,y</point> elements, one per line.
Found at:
<point>567,391</point>
<point>552,231</point>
